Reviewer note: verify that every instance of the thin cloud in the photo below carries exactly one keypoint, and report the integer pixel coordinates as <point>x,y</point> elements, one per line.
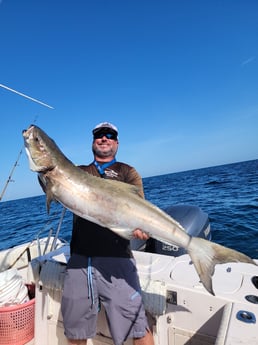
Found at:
<point>246,62</point>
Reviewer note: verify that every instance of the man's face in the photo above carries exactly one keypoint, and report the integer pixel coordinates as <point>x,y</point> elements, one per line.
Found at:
<point>105,145</point>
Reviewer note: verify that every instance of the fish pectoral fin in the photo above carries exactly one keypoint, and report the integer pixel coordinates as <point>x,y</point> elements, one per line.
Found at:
<point>205,255</point>
<point>46,187</point>
<point>49,199</point>
<point>42,182</point>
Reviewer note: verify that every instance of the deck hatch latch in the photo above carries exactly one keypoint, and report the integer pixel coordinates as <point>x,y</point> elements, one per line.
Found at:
<point>246,316</point>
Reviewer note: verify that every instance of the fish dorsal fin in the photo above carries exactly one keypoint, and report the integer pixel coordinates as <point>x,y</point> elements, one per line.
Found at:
<point>134,189</point>
<point>126,186</point>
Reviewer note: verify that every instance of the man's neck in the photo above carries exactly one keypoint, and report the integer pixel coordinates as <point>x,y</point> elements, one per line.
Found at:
<point>103,159</point>
<point>102,166</point>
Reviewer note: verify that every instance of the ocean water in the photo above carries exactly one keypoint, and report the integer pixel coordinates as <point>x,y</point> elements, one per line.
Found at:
<point>228,193</point>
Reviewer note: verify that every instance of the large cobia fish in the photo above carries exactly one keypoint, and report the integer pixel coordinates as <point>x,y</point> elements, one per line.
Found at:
<point>116,205</point>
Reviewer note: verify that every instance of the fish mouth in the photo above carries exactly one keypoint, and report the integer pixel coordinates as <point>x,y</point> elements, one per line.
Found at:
<point>31,141</point>
<point>32,165</point>
<point>26,132</point>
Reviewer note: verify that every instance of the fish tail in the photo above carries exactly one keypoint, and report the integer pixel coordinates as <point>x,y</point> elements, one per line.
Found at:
<point>205,255</point>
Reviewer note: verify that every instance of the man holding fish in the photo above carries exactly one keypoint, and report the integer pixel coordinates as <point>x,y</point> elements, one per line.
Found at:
<point>101,267</point>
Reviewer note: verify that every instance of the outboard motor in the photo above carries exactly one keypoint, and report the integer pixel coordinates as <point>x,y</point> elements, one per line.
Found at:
<point>194,221</point>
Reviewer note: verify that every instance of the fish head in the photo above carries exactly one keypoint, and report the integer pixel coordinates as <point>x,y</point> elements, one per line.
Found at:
<point>39,149</point>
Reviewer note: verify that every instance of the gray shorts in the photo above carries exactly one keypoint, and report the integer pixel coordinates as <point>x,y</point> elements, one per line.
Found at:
<point>112,281</point>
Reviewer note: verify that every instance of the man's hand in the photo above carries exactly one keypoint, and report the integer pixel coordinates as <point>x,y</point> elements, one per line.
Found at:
<point>140,235</point>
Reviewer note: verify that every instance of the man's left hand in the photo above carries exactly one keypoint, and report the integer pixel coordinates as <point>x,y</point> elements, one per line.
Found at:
<point>140,235</point>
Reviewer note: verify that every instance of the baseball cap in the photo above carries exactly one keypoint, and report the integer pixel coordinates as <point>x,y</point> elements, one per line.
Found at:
<point>105,126</point>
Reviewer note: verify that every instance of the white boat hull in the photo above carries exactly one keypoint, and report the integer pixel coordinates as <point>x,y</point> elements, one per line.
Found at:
<point>180,310</point>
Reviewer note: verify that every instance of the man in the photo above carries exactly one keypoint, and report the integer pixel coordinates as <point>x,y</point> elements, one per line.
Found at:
<point>101,267</point>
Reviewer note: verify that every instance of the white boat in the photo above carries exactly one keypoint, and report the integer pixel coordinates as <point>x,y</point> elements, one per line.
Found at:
<point>180,310</point>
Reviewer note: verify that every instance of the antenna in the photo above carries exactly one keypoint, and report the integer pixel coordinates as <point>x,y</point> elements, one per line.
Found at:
<point>23,95</point>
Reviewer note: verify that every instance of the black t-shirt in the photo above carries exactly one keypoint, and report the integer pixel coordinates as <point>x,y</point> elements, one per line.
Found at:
<point>91,239</point>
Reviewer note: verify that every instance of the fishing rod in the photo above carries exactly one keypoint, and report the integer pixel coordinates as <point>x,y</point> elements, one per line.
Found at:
<point>10,175</point>
<point>13,168</point>
<point>17,160</point>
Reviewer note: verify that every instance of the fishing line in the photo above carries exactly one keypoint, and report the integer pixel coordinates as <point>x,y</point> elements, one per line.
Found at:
<point>26,96</point>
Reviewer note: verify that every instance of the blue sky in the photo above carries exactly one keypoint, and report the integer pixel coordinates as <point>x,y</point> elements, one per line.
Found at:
<point>178,78</point>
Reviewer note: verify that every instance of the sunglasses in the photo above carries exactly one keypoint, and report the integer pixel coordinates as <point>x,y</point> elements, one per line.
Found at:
<point>107,135</point>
